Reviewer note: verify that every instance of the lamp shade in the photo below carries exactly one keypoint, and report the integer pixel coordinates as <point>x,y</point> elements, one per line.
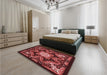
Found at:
<point>55,28</point>
<point>90,27</point>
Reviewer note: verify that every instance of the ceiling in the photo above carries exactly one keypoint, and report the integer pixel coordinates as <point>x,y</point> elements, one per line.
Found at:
<point>39,4</point>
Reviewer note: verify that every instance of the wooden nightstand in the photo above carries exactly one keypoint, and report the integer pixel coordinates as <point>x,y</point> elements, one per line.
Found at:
<point>91,39</point>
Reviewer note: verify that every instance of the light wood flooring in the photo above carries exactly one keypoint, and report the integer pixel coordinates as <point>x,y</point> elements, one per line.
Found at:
<point>90,60</point>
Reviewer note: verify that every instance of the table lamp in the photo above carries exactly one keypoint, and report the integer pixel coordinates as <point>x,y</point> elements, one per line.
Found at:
<point>90,28</point>
<point>55,28</point>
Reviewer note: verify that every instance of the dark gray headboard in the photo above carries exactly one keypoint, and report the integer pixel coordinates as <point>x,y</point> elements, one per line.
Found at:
<point>80,31</point>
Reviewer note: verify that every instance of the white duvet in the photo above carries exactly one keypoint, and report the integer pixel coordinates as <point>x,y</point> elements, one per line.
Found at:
<point>74,37</point>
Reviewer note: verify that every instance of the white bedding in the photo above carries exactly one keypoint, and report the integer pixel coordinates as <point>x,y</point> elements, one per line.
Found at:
<point>67,36</point>
<point>70,38</point>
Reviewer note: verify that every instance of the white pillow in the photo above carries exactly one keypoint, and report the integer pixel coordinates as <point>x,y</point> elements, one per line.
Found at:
<point>74,31</point>
<point>66,31</point>
<point>69,31</point>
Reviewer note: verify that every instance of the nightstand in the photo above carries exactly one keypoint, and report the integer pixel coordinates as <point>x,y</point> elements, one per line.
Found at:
<point>91,39</point>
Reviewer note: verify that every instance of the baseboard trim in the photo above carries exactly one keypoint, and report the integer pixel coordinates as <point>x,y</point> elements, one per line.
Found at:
<point>102,49</point>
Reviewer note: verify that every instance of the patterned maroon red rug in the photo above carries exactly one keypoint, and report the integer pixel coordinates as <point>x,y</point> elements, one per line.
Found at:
<point>56,62</point>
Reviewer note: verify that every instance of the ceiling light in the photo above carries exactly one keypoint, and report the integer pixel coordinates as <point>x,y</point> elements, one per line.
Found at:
<point>51,3</point>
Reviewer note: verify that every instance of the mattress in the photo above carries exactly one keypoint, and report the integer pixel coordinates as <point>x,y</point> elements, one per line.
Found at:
<point>67,38</point>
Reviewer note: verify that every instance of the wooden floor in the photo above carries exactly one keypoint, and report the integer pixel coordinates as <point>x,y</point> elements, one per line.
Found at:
<point>90,60</point>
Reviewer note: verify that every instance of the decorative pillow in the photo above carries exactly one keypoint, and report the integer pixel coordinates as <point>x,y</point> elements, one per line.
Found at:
<point>66,31</point>
<point>74,31</point>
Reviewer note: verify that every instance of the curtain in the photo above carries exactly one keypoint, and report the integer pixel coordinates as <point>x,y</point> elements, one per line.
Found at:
<point>91,16</point>
<point>55,20</point>
<point>78,17</point>
<point>13,15</point>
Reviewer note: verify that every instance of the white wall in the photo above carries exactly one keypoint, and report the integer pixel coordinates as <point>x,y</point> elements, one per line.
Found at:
<point>70,18</point>
<point>103,23</point>
<point>80,16</point>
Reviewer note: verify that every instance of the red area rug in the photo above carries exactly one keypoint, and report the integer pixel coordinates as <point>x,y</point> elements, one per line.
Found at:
<point>56,62</point>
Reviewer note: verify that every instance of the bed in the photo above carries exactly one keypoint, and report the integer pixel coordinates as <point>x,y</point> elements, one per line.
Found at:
<point>63,44</point>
